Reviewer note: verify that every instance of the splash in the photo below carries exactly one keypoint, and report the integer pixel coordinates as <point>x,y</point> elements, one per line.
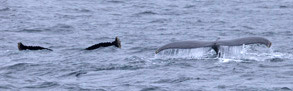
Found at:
<point>226,53</point>
<point>248,52</point>
<point>197,53</point>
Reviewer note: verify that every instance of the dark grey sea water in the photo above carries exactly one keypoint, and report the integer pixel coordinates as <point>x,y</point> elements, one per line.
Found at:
<point>69,26</point>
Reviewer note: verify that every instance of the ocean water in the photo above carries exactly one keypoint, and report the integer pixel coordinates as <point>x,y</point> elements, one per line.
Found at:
<point>69,26</point>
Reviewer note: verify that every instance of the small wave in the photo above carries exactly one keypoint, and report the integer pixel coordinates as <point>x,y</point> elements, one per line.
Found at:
<point>4,9</point>
<point>248,27</point>
<point>283,6</point>
<point>189,6</point>
<point>135,60</point>
<point>268,66</point>
<point>152,88</point>
<point>221,86</point>
<point>19,66</point>
<point>181,64</point>
<point>177,80</point>
<point>160,21</point>
<point>82,10</point>
<point>283,89</point>
<point>275,60</point>
<point>7,87</point>
<point>75,73</point>
<point>174,13</point>
<point>118,67</point>
<point>59,28</point>
<point>44,85</point>
<point>289,73</point>
<point>268,33</point>
<point>248,88</point>
<point>32,30</point>
<point>75,87</point>
<point>115,1</point>
<point>145,13</point>
<point>140,49</point>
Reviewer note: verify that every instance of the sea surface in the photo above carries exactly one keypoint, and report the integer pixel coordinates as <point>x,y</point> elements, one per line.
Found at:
<point>69,26</point>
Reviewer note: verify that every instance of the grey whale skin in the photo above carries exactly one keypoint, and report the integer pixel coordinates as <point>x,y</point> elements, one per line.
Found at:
<point>215,44</point>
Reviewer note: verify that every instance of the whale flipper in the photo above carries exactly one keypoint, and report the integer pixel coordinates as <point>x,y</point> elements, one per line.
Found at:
<point>116,43</point>
<point>215,44</point>
<point>24,47</point>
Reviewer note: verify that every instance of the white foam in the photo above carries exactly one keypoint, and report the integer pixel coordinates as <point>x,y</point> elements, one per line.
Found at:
<point>197,53</point>
<point>226,53</point>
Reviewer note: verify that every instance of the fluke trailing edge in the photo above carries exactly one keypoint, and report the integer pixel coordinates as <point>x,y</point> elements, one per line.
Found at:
<point>215,44</point>
<point>116,43</point>
<point>24,47</point>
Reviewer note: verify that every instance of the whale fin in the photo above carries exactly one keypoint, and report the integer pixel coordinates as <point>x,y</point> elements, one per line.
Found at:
<point>24,47</point>
<point>117,42</point>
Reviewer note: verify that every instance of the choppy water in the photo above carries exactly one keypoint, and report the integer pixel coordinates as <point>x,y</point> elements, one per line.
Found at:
<point>68,26</point>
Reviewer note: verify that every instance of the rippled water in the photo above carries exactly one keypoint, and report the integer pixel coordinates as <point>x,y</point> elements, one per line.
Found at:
<point>69,26</point>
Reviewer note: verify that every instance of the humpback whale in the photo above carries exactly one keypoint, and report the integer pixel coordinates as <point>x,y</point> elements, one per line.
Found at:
<point>116,43</point>
<point>24,47</point>
<point>215,45</point>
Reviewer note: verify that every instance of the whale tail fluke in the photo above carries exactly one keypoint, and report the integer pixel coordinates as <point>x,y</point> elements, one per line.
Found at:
<point>216,44</point>
<point>117,42</point>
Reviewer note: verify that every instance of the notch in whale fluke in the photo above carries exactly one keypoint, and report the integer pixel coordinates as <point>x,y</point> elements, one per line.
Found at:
<point>24,47</point>
<point>215,44</point>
